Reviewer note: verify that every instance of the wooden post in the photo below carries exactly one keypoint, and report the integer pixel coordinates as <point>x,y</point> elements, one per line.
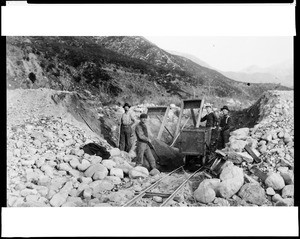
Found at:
<point>162,126</point>
<point>179,119</point>
<point>193,116</point>
<point>200,113</point>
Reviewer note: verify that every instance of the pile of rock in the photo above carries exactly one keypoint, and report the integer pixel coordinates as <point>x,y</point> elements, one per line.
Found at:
<point>272,140</point>
<point>46,167</point>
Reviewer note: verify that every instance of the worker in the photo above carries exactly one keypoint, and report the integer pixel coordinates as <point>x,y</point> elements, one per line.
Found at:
<point>127,120</point>
<point>143,143</point>
<point>211,122</point>
<point>225,127</point>
<point>210,117</point>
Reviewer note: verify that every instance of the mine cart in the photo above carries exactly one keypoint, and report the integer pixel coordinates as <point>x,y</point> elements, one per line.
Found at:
<point>193,141</point>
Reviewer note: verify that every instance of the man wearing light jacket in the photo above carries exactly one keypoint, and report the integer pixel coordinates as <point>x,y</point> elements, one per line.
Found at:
<point>143,141</point>
<point>127,121</point>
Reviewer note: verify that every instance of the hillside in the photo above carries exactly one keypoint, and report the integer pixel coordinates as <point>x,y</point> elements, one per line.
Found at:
<point>203,79</point>
<point>116,69</point>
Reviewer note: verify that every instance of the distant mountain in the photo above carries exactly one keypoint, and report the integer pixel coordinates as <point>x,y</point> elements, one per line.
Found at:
<point>282,73</point>
<point>201,79</point>
<point>192,58</point>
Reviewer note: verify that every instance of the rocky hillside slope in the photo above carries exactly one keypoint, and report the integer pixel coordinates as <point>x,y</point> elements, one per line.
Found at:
<point>116,69</point>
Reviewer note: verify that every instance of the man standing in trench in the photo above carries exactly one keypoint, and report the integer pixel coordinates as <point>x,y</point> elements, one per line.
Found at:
<point>143,141</point>
<point>210,117</point>
<point>211,122</point>
<point>127,121</point>
<point>225,127</point>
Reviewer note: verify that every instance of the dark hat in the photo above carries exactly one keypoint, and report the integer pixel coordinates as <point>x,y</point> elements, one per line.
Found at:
<point>225,108</point>
<point>208,105</point>
<point>126,104</point>
<point>143,116</point>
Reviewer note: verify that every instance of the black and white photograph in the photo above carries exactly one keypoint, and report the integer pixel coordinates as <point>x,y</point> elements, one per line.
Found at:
<point>149,120</point>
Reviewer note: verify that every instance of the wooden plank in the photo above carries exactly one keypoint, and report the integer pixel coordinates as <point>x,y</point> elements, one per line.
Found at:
<point>192,103</point>
<point>157,110</point>
<point>200,113</point>
<point>176,137</point>
<point>193,117</point>
<point>254,156</point>
<point>162,126</point>
<point>179,119</point>
<point>165,127</point>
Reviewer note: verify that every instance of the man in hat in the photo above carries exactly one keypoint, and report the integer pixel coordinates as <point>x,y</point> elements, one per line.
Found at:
<point>225,126</point>
<point>143,141</point>
<point>127,120</point>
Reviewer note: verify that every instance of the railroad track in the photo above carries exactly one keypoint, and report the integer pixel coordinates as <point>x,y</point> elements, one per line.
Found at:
<point>146,191</point>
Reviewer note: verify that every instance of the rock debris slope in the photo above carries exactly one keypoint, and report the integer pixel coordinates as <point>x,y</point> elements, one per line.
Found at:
<point>47,167</point>
<point>272,140</point>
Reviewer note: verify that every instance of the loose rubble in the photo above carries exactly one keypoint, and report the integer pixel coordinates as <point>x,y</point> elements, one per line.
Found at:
<point>272,140</point>
<point>46,166</point>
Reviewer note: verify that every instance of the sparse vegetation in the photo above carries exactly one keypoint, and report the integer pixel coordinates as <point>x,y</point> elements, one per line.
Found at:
<point>86,62</point>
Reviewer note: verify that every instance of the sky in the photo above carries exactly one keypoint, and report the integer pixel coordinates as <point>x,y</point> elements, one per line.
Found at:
<point>230,53</point>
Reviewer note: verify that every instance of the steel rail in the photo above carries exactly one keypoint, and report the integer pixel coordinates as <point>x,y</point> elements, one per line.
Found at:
<point>143,192</point>
<point>179,187</point>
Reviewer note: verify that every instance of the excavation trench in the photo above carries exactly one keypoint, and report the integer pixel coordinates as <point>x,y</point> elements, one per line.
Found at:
<point>167,158</point>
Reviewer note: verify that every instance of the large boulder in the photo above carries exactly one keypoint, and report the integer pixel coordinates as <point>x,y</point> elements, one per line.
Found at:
<point>81,188</point>
<point>67,187</point>
<point>118,159</point>
<point>116,172</point>
<point>93,169</point>
<point>114,152</point>
<point>276,198</point>
<point>288,177</point>
<point>108,163</point>
<point>94,159</point>
<point>288,191</point>
<point>270,191</point>
<point>253,193</point>
<point>238,145</point>
<point>101,174</point>
<point>65,167</point>
<point>204,194</point>
<point>125,167</point>
<point>213,183</point>
<point>231,172</point>
<point>58,199</point>
<point>100,186</point>
<point>221,202</point>
<point>241,133</point>
<point>229,187</point>
<point>85,164</point>
<point>113,179</point>
<point>138,171</point>
<point>74,162</point>
<point>232,179</point>
<point>275,181</point>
